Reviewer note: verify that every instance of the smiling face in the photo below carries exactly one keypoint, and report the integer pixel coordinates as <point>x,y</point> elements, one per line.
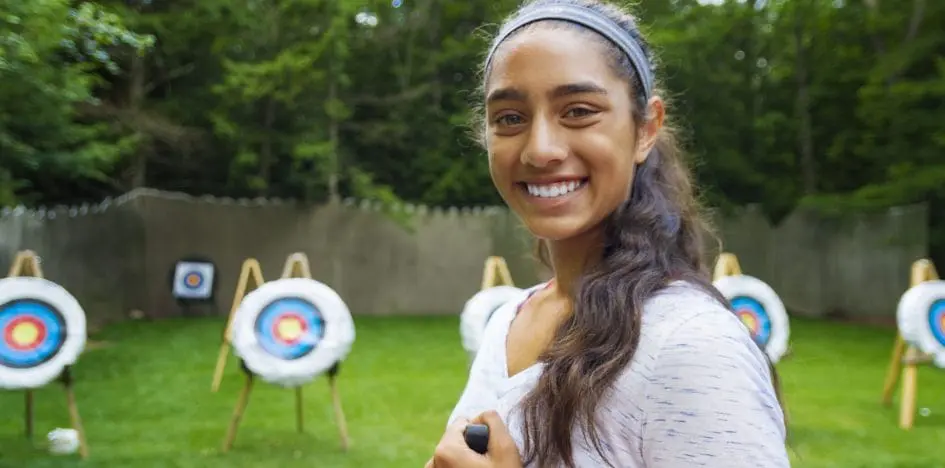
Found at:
<point>560,133</point>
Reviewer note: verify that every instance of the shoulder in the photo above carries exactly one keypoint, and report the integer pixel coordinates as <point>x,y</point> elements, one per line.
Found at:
<point>685,317</point>
<point>687,330</point>
<point>708,390</point>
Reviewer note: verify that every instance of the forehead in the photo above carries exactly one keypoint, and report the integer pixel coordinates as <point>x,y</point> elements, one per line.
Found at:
<point>545,57</point>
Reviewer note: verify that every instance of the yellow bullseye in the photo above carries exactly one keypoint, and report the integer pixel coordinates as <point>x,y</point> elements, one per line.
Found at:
<point>25,334</point>
<point>750,321</point>
<point>290,328</point>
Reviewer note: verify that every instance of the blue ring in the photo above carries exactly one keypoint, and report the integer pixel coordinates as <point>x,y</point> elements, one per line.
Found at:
<point>46,314</point>
<point>761,315</point>
<point>275,309</point>
<point>936,314</point>
<point>199,276</point>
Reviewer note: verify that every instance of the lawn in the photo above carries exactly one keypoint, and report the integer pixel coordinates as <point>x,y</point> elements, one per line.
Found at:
<point>146,402</point>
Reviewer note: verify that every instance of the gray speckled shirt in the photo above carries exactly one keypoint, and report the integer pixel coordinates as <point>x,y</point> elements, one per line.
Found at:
<point>697,393</point>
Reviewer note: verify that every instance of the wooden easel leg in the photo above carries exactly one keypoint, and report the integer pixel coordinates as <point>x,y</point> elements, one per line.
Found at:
<point>910,374</point>
<point>74,413</point>
<point>299,420</point>
<point>238,413</point>
<point>339,414</point>
<point>221,364</point>
<point>29,414</point>
<point>895,368</point>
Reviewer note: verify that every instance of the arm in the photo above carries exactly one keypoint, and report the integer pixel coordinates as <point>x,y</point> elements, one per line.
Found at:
<point>711,402</point>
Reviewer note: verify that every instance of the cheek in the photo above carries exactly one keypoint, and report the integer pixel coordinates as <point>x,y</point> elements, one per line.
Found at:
<point>500,169</point>
<point>612,164</point>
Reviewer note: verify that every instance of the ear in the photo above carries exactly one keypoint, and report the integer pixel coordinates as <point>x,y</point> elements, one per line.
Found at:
<point>655,112</point>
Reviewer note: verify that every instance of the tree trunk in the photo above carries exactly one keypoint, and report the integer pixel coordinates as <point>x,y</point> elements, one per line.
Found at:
<point>805,138</point>
<point>136,92</point>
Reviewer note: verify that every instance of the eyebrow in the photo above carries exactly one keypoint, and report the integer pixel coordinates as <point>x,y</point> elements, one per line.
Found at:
<point>513,94</point>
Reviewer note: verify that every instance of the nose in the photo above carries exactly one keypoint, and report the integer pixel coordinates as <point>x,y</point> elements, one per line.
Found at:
<point>545,145</point>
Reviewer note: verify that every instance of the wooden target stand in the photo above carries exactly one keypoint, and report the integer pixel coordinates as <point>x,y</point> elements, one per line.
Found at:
<point>906,358</point>
<point>296,266</point>
<point>250,279</point>
<point>496,273</point>
<point>727,265</point>
<point>26,264</point>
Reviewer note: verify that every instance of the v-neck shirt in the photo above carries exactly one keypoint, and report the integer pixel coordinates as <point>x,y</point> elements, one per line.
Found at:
<point>698,391</point>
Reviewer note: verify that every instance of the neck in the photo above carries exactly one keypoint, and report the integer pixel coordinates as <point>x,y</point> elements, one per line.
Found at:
<point>571,257</point>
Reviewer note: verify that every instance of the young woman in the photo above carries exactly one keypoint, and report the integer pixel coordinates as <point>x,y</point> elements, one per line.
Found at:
<point>628,357</point>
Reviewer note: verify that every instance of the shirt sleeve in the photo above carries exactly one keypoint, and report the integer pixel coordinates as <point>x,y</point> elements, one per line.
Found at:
<point>711,402</point>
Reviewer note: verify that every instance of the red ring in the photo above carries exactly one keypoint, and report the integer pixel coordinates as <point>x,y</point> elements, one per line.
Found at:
<point>286,316</point>
<point>8,333</point>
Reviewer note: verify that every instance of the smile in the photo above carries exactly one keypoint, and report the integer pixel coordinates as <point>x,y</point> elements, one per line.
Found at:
<point>553,190</point>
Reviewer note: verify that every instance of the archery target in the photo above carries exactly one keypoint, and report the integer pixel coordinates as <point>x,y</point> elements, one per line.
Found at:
<point>193,280</point>
<point>42,330</point>
<point>479,309</point>
<point>291,330</point>
<point>920,316</point>
<point>760,309</point>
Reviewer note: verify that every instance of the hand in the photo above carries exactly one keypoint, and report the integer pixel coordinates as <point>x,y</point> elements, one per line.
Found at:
<point>452,451</point>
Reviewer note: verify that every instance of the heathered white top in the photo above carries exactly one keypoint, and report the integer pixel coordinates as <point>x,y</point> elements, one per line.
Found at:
<point>698,392</point>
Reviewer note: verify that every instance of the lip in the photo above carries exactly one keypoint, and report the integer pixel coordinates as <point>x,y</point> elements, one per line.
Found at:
<point>551,179</point>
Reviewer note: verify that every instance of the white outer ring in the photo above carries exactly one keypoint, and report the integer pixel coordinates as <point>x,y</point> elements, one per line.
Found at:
<point>912,317</point>
<point>24,287</point>
<point>333,347</point>
<point>749,286</point>
<point>477,311</point>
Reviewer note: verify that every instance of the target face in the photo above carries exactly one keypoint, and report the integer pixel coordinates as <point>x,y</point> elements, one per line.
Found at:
<point>193,280</point>
<point>42,330</point>
<point>33,332</point>
<point>753,315</point>
<point>920,316</point>
<point>760,309</point>
<point>480,309</point>
<point>291,330</point>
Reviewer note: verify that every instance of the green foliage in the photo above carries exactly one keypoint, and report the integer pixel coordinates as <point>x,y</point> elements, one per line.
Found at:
<point>836,105</point>
<point>51,55</point>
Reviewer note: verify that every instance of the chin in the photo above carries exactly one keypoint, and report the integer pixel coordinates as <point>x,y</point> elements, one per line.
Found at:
<point>557,228</point>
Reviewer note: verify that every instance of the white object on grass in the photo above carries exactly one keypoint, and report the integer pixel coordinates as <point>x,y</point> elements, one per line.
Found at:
<point>63,441</point>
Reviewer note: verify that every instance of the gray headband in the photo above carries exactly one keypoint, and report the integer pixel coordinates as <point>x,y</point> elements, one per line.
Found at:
<point>589,19</point>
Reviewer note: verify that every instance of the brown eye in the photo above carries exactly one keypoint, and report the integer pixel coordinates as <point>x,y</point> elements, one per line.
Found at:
<point>509,120</point>
<point>579,112</point>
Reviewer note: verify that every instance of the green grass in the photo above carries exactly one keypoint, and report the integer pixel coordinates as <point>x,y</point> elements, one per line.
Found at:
<point>146,402</point>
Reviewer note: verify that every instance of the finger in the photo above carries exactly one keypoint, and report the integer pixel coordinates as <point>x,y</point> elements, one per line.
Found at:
<point>429,464</point>
<point>500,439</point>
<point>457,427</point>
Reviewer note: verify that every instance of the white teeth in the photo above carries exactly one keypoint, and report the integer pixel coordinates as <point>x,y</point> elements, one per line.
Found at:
<point>554,190</point>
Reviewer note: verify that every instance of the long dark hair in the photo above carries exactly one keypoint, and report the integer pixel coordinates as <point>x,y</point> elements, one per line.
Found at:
<point>652,239</point>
